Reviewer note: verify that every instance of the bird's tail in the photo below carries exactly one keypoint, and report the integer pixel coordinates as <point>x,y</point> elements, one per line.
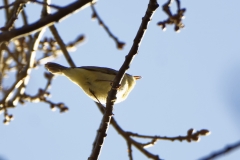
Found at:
<point>55,68</point>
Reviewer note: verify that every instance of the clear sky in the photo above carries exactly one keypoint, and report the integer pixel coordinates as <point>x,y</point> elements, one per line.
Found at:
<point>190,79</point>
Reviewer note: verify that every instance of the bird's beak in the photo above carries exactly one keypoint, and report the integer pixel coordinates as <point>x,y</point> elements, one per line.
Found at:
<point>137,77</point>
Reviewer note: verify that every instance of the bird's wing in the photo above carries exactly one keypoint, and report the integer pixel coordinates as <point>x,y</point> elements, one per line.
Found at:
<point>100,69</point>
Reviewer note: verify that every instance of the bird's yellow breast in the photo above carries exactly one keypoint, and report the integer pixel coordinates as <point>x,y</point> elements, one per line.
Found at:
<point>97,84</point>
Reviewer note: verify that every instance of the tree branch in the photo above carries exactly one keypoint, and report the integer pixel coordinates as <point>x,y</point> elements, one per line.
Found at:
<point>102,131</point>
<point>219,153</point>
<point>43,22</point>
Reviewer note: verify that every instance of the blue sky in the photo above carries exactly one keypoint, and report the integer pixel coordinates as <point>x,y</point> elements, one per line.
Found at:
<point>190,80</point>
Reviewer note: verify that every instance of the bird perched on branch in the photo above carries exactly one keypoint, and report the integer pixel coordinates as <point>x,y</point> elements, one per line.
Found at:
<point>95,81</point>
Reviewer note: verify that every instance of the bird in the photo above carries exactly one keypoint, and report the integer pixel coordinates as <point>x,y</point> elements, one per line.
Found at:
<point>95,81</point>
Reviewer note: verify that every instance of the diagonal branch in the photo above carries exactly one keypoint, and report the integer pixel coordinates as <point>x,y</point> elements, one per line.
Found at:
<point>222,152</point>
<point>58,38</point>
<point>44,22</point>
<point>63,47</point>
<point>152,6</point>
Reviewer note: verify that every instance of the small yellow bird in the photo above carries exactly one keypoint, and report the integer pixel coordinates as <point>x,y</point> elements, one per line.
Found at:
<point>95,81</point>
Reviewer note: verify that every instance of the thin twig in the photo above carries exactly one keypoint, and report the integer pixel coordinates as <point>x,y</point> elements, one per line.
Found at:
<point>1,69</point>
<point>51,51</point>
<point>129,150</point>
<point>6,6</point>
<point>119,44</point>
<point>59,40</point>
<point>24,17</point>
<point>62,45</point>
<point>175,19</point>
<point>42,94</point>
<point>149,144</point>
<point>7,13</point>
<point>222,152</point>
<point>11,54</point>
<point>18,7</point>
<point>191,136</point>
<point>46,4</point>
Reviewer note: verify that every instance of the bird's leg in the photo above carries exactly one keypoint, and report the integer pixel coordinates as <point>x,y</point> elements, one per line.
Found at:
<point>94,95</point>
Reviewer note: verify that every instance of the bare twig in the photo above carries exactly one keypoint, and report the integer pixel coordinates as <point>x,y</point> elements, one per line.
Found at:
<point>222,152</point>
<point>11,54</point>
<point>51,51</point>
<point>42,95</point>
<point>59,40</point>
<point>62,45</point>
<point>129,150</point>
<point>191,136</point>
<point>1,68</point>
<point>7,12</point>
<point>46,4</point>
<point>119,44</point>
<point>175,19</point>
<point>33,1</point>
<point>24,17</point>
<point>149,144</point>
<point>18,7</point>
<point>6,6</point>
